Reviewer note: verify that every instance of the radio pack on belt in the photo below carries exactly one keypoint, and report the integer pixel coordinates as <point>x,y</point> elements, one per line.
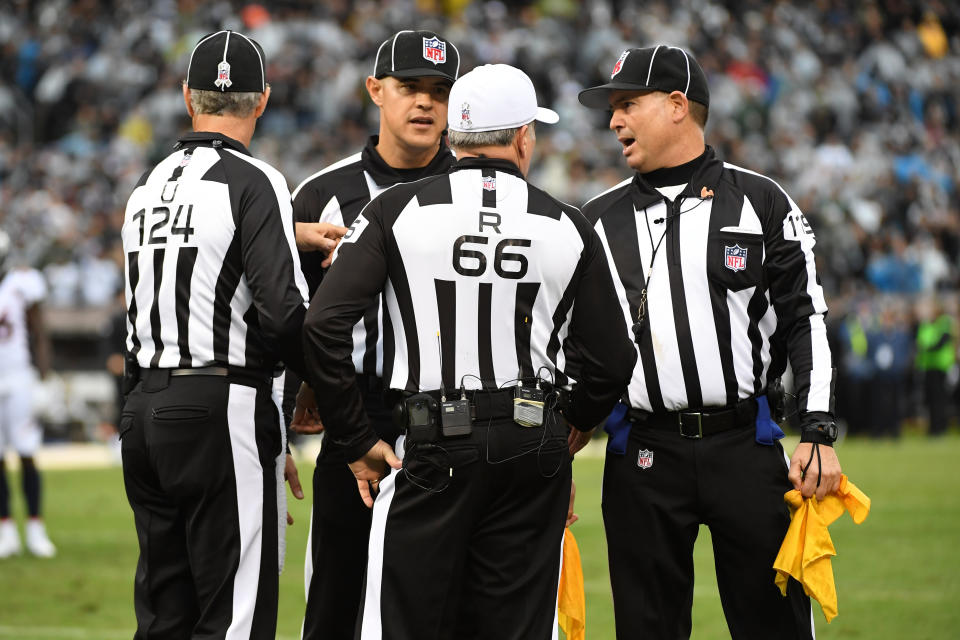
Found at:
<point>131,373</point>
<point>528,406</point>
<point>420,417</point>
<point>455,418</point>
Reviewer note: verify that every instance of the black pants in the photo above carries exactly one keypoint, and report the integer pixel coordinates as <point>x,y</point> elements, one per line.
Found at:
<point>199,467</point>
<point>887,405</point>
<point>466,539</point>
<point>339,532</point>
<point>652,516</point>
<point>935,394</point>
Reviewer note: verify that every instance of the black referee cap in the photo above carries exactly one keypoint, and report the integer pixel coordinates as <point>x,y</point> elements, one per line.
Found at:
<point>659,68</point>
<point>416,54</point>
<point>227,61</point>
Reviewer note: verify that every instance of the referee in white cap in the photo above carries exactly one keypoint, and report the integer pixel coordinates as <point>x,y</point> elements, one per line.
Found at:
<point>495,295</point>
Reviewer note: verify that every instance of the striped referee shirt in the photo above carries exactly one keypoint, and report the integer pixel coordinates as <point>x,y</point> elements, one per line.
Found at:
<point>485,279</point>
<point>731,289</point>
<point>336,195</point>
<point>213,276</point>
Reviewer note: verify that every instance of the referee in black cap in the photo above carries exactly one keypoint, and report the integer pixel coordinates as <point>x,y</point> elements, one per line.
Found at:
<point>412,75</point>
<point>715,272</point>
<point>215,298</point>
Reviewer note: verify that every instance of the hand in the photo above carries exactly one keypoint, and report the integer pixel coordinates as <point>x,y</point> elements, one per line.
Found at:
<point>306,420</point>
<point>571,516</point>
<point>293,479</point>
<point>115,364</point>
<point>319,236</point>
<point>577,439</point>
<point>372,467</point>
<point>827,468</point>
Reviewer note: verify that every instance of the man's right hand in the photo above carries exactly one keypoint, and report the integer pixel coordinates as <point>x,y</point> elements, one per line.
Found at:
<point>319,236</point>
<point>577,439</point>
<point>372,467</point>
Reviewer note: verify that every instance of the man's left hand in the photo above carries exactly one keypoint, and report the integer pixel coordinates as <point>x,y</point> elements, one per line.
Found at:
<point>306,420</point>
<point>293,479</point>
<point>826,467</point>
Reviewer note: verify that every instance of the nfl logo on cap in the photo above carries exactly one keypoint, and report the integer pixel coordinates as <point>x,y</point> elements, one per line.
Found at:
<point>223,75</point>
<point>735,258</point>
<point>434,50</point>
<point>619,65</point>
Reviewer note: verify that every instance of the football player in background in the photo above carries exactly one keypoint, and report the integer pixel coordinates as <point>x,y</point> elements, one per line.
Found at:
<point>23,345</point>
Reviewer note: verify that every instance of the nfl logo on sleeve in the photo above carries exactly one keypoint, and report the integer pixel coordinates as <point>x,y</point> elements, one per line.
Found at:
<point>434,50</point>
<point>645,459</point>
<point>735,258</point>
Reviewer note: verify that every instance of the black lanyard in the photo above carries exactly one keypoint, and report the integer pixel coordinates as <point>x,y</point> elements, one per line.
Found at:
<point>642,308</point>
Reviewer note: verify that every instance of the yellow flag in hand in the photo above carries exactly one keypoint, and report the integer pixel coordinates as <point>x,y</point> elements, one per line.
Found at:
<point>571,604</point>
<point>807,547</point>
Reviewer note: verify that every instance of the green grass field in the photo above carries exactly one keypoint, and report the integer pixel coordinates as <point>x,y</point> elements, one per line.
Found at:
<point>898,574</point>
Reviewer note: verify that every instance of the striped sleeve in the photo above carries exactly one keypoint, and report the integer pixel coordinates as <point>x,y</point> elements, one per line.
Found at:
<point>269,256</point>
<point>798,299</point>
<point>598,337</point>
<point>309,205</point>
<point>351,285</point>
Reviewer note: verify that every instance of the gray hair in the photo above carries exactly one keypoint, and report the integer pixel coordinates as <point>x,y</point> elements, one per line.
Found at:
<point>474,139</point>
<point>224,103</point>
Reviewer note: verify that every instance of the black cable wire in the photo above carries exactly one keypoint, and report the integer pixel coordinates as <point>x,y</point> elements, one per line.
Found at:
<point>815,449</point>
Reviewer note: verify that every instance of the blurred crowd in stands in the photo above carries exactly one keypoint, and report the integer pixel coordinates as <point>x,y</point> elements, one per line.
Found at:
<point>853,106</point>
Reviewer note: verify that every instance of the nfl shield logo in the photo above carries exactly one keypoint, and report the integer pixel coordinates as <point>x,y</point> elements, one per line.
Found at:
<point>619,65</point>
<point>435,50</point>
<point>223,75</point>
<point>489,183</point>
<point>465,120</point>
<point>645,459</point>
<point>735,258</point>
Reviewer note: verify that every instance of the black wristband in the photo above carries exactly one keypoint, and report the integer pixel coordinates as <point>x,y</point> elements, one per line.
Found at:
<point>824,433</point>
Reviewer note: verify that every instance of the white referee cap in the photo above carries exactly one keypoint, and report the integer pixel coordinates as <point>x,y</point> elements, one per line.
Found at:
<point>493,97</point>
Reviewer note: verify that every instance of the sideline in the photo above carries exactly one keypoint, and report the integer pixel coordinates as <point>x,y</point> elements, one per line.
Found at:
<point>100,455</point>
<point>29,633</point>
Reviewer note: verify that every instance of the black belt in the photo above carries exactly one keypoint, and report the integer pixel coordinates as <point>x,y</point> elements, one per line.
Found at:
<point>485,404</point>
<point>159,378</point>
<point>697,424</point>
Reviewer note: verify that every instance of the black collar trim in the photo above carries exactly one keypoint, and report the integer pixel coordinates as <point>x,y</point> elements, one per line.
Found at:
<point>199,138</point>
<point>669,176</point>
<point>703,180</point>
<point>497,164</point>
<point>384,175</point>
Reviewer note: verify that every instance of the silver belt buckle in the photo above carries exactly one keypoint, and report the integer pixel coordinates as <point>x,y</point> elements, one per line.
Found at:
<point>698,435</point>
